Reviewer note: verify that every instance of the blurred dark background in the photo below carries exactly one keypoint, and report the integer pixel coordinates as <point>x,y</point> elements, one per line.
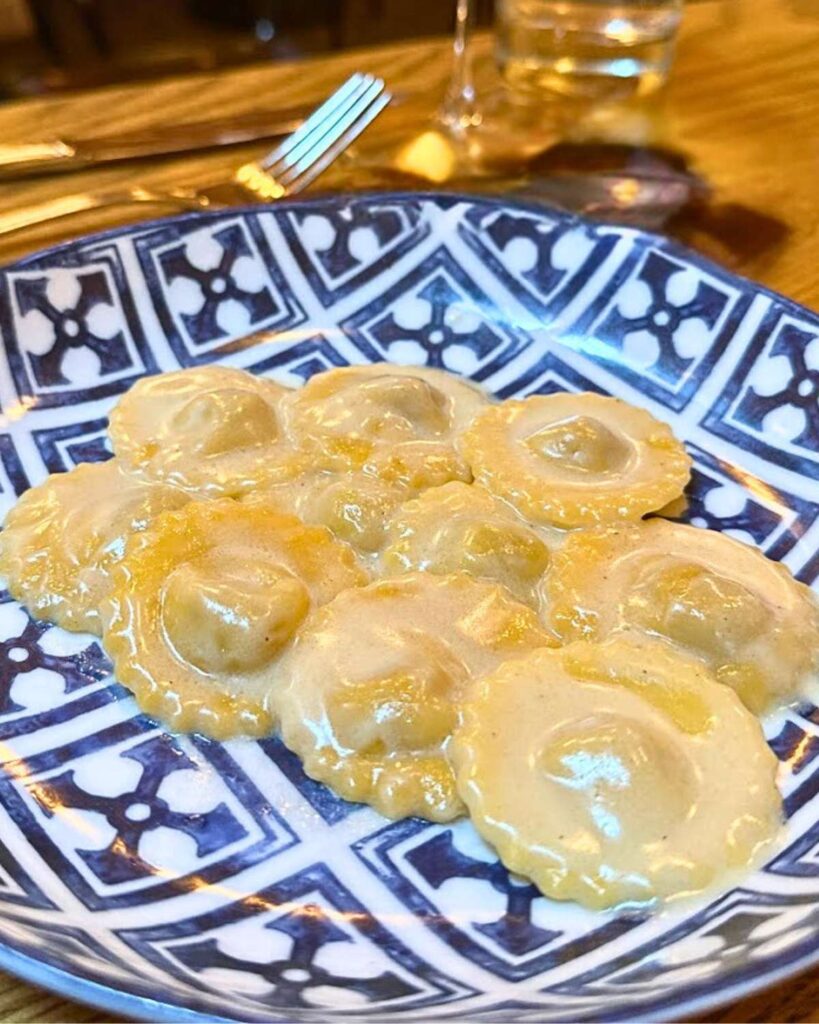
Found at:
<point>49,46</point>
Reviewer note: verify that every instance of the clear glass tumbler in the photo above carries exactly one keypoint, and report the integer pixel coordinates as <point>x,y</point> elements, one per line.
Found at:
<point>586,47</point>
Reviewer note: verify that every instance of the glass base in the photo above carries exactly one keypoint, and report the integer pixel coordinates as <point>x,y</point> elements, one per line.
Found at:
<point>591,48</point>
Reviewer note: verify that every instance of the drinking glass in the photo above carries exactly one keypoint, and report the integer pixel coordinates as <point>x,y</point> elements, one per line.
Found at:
<point>458,111</point>
<point>444,148</point>
<point>586,47</point>
<point>466,136</point>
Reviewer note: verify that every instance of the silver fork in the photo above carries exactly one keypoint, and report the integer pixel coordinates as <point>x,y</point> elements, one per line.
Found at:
<point>286,170</point>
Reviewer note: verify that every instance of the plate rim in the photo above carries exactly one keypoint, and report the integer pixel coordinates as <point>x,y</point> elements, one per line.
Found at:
<point>77,987</point>
<point>141,1008</point>
<point>338,198</point>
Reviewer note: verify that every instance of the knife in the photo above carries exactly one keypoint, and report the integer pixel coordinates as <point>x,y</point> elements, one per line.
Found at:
<point>20,160</point>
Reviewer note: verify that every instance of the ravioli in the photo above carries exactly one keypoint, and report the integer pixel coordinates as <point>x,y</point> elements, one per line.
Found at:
<point>61,540</point>
<point>368,696</point>
<point>615,773</point>
<point>205,603</point>
<point>462,528</point>
<point>213,430</point>
<point>715,597</point>
<point>574,460</point>
<point>355,506</point>
<point>226,556</point>
<point>396,422</point>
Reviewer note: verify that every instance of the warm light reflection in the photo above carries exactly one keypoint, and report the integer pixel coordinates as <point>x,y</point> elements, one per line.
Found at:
<point>799,752</point>
<point>621,30</point>
<point>75,819</point>
<point>625,191</point>
<point>429,155</point>
<point>17,409</point>
<point>12,765</point>
<point>259,181</point>
<point>758,488</point>
<point>565,65</point>
<point>278,338</point>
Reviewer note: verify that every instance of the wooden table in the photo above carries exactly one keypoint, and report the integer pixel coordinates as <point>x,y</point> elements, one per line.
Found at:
<point>741,105</point>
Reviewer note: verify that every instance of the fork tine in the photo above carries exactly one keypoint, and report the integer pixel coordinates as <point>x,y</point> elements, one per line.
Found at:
<point>340,115</point>
<point>310,173</point>
<point>291,169</point>
<point>303,155</point>
<point>332,107</point>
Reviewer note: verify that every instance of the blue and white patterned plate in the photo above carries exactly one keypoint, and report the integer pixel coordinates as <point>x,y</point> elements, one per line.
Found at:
<point>174,878</point>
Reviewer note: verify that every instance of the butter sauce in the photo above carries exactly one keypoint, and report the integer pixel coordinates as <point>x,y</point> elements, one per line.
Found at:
<point>576,460</point>
<point>617,769</point>
<point>206,603</point>
<point>463,528</point>
<point>211,430</point>
<point>62,539</point>
<point>396,422</point>
<point>714,597</point>
<point>368,695</point>
<point>608,783</point>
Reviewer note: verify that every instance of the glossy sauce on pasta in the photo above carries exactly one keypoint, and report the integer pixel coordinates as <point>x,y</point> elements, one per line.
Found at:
<point>211,430</point>
<point>205,604</point>
<point>576,460</point>
<point>714,597</point>
<point>61,541</point>
<point>384,564</point>
<point>615,773</point>
<point>368,695</point>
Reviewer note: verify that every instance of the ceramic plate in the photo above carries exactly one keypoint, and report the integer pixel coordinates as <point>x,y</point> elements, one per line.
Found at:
<point>174,878</point>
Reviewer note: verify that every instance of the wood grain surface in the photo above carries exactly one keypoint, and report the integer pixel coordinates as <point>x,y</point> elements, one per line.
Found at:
<point>741,106</point>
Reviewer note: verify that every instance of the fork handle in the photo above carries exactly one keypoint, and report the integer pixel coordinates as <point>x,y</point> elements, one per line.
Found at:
<point>80,202</point>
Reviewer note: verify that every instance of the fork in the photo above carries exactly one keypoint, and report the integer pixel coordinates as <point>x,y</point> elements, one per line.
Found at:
<point>285,171</point>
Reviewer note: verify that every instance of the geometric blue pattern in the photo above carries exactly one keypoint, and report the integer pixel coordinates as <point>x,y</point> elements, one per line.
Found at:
<point>13,477</point>
<point>435,869</point>
<point>543,260</point>
<point>435,316</point>
<point>192,880</point>
<point>323,800</point>
<point>337,250</point>
<point>770,405</point>
<point>46,677</point>
<point>69,444</point>
<point>796,746</point>
<point>215,284</point>
<point>664,327</point>
<point>742,928</point>
<point>809,573</point>
<point>17,885</point>
<point>313,944</point>
<point>119,852</point>
<point>722,497</point>
<point>71,326</point>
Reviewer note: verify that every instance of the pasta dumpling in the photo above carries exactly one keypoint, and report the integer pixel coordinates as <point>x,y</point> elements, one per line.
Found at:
<point>398,422</point>
<point>355,507</point>
<point>206,602</point>
<point>717,598</point>
<point>458,527</point>
<point>615,773</point>
<point>368,696</point>
<point>576,459</point>
<point>61,540</point>
<point>210,429</point>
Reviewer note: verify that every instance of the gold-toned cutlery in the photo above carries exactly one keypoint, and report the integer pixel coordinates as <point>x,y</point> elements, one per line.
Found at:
<point>286,170</point>
<point>68,153</point>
